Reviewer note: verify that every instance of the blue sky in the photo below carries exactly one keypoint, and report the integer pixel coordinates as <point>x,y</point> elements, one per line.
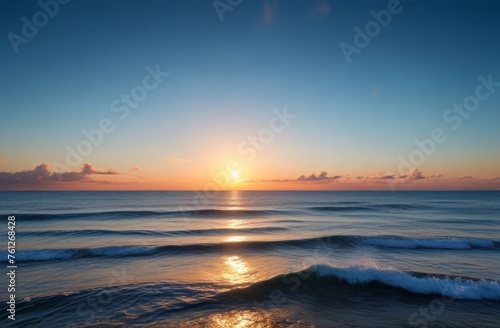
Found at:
<point>227,76</point>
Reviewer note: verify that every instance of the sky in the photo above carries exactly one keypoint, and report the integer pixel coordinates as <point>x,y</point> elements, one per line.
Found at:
<point>240,94</point>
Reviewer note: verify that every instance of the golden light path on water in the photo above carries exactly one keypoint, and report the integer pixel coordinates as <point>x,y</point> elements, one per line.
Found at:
<point>242,319</point>
<point>235,239</point>
<point>235,270</point>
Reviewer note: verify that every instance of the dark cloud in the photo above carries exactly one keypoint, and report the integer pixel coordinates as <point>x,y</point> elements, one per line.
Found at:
<point>322,177</point>
<point>89,169</point>
<point>415,174</point>
<point>43,175</point>
<point>386,177</point>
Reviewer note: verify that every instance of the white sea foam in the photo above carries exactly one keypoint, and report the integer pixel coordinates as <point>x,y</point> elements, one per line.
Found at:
<point>454,287</point>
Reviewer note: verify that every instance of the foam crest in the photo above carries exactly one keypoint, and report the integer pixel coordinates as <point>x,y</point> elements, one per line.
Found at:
<point>454,287</point>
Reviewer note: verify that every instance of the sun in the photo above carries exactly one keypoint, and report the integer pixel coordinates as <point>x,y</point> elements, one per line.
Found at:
<point>235,175</point>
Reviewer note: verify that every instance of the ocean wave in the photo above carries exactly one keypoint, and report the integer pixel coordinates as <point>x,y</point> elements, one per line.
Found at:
<point>211,212</point>
<point>308,243</point>
<point>336,281</point>
<point>453,287</point>
<point>339,208</point>
<point>149,233</point>
<point>66,254</point>
<point>366,207</point>
<point>151,214</point>
<point>429,243</point>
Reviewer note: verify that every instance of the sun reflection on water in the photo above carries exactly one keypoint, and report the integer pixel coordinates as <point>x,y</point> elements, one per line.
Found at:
<point>244,319</point>
<point>235,239</point>
<point>234,223</point>
<point>235,270</point>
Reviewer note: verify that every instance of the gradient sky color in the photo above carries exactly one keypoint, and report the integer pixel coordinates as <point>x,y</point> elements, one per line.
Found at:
<point>226,81</point>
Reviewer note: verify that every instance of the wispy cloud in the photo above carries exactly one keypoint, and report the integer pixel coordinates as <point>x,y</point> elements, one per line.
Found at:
<point>466,177</point>
<point>379,175</point>
<point>135,168</point>
<point>313,178</point>
<point>268,11</point>
<point>322,177</point>
<point>321,8</point>
<point>90,169</point>
<point>177,159</point>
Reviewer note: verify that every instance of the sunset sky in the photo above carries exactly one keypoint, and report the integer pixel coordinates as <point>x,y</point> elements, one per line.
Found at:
<point>187,95</point>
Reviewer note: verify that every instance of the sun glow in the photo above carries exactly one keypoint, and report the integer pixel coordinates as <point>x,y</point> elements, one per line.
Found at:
<point>235,175</point>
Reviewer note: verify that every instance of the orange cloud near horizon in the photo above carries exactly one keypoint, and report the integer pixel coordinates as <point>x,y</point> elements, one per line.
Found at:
<point>42,177</point>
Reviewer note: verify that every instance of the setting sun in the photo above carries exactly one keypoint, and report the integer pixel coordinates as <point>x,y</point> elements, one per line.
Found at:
<point>235,175</point>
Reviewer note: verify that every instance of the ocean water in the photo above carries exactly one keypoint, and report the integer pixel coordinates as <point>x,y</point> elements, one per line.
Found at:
<point>254,259</point>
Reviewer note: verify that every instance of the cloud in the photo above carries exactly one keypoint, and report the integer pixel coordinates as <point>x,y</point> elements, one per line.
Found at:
<point>313,178</point>
<point>177,159</point>
<point>466,177</point>
<point>268,12</point>
<point>89,169</point>
<point>321,8</point>
<point>379,175</point>
<point>135,168</point>
<point>322,177</point>
<point>386,177</point>
<point>43,175</point>
<point>415,174</point>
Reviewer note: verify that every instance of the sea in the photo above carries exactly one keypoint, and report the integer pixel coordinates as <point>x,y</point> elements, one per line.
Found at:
<point>252,259</point>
